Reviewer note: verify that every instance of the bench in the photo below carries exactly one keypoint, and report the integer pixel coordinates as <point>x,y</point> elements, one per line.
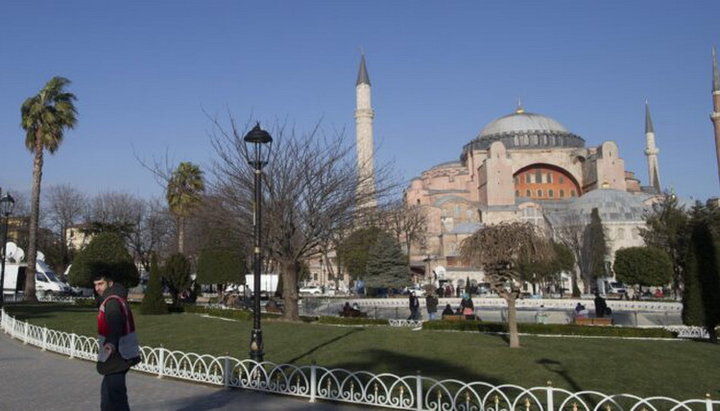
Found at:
<point>458,317</point>
<point>593,321</point>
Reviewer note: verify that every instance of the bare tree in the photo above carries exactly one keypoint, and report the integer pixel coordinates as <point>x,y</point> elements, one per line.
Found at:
<point>309,191</point>
<point>153,232</point>
<point>572,233</point>
<point>65,206</point>
<point>408,223</point>
<point>498,249</point>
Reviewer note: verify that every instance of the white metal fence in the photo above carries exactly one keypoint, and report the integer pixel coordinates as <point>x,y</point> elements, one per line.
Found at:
<point>413,392</point>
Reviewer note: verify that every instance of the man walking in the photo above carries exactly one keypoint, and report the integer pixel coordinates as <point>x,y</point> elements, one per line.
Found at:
<point>414,307</point>
<point>118,347</point>
<point>431,302</point>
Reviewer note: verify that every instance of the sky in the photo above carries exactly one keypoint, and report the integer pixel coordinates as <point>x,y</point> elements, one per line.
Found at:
<point>151,75</point>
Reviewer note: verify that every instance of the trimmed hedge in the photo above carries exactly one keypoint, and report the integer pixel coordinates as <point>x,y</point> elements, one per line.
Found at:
<point>551,329</point>
<point>352,321</point>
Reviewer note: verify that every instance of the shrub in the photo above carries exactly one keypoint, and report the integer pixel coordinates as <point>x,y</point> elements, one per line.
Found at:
<point>153,301</point>
<point>106,252</point>
<point>551,329</point>
<point>177,275</point>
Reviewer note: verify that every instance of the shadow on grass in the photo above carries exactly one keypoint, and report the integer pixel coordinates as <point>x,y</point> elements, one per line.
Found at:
<point>326,343</point>
<point>406,364</point>
<point>557,368</point>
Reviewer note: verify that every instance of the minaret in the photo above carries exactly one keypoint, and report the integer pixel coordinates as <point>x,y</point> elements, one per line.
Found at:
<point>715,116</point>
<point>364,133</point>
<point>651,151</point>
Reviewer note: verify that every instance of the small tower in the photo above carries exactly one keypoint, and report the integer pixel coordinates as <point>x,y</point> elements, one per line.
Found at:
<point>715,116</point>
<point>651,151</point>
<point>364,134</point>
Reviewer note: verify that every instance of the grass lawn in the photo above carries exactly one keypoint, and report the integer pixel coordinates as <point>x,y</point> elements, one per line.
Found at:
<point>677,368</point>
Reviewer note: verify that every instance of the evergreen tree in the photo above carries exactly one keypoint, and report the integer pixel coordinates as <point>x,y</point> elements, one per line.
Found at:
<point>701,305</point>
<point>645,266</point>
<point>386,264</point>
<point>176,274</point>
<point>667,228</point>
<point>354,250</point>
<point>221,266</point>
<point>596,247</point>
<point>106,252</point>
<point>153,302</point>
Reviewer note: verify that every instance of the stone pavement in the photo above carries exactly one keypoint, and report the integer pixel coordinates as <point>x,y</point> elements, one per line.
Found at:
<point>33,379</point>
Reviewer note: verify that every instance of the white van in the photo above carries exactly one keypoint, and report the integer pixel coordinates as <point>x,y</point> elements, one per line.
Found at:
<point>46,282</point>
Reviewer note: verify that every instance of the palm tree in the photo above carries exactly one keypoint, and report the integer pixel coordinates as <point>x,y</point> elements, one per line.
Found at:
<point>44,119</point>
<point>183,195</point>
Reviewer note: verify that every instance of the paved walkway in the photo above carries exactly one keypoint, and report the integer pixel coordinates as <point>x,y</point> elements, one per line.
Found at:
<point>33,379</point>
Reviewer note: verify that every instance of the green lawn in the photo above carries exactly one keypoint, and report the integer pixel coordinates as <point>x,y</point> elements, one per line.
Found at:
<point>679,369</point>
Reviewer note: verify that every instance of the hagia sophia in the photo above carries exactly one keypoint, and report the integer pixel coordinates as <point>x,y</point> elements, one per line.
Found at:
<point>522,166</point>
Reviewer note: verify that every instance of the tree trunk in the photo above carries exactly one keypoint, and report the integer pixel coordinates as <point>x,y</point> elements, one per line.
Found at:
<point>34,218</point>
<point>290,290</point>
<point>512,321</point>
<point>181,235</point>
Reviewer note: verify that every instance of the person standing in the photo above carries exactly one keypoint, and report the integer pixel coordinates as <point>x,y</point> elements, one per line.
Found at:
<point>600,306</point>
<point>467,306</point>
<point>431,302</point>
<point>414,307</point>
<point>118,347</point>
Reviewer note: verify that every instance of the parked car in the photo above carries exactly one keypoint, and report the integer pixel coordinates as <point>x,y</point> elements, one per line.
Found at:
<point>311,289</point>
<point>615,287</point>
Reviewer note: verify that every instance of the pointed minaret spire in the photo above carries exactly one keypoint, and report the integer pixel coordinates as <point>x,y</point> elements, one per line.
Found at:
<point>715,116</point>
<point>519,108</point>
<point>648,119</point>
<point>651,151</point>
<point>363,77</point>
<point>364,115</point>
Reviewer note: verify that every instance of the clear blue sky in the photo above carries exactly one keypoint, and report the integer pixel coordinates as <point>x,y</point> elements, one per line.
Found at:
<point>145,72</point>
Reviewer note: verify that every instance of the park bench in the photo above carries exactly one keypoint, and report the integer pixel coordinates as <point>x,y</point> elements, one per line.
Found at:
<point>593,321</point>
<point>458,317</point>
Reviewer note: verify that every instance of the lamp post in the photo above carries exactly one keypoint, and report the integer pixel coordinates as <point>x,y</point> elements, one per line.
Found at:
<point>258,144</point>
<point>7,203</point>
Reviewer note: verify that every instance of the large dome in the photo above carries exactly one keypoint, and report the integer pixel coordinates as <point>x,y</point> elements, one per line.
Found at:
<point>522,121</point>
<point>521,130</point>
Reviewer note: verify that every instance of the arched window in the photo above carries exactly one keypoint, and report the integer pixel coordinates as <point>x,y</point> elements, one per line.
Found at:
<point>527,193</point>
<point>572,193</point>
<point>517,193</point>
<point>551,194</point>
<point>539,193</point>
<point>562,192</point>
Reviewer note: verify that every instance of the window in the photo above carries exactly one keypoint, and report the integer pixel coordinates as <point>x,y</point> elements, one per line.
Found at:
<point>528,178</point>
<point>517,193</point>
<point>562,192</point>
<point>40,277</point>
<point>551,194</point>
<point>539,193</point>
<point>527,193</point>
<point>572,193</point>
<point>562,179</point>
<point>538,176</point>
<point>549,178</point>
<point>515,179</point>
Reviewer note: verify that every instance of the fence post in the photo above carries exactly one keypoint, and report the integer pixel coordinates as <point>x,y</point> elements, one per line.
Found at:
<point>25,332</point>
<point>226,372</point>
<point>418,392</point>
<point>708,402</point>
<point>72,345</point>
<point>550,403</point>
<point>44,338</point>
<point>161,362</point>
<point>313,380</point>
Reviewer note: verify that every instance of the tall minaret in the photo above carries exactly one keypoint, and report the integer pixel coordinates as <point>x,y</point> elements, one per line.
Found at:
<point>715,116</point>
<point>364,133</point>
<point>651,151</point>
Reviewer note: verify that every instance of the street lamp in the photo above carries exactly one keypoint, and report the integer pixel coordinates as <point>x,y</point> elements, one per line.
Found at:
<point>7,203</point>
<point>258,144</point>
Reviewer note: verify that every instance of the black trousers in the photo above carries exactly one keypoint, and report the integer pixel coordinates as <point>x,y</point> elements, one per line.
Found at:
<point>113,393</point>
